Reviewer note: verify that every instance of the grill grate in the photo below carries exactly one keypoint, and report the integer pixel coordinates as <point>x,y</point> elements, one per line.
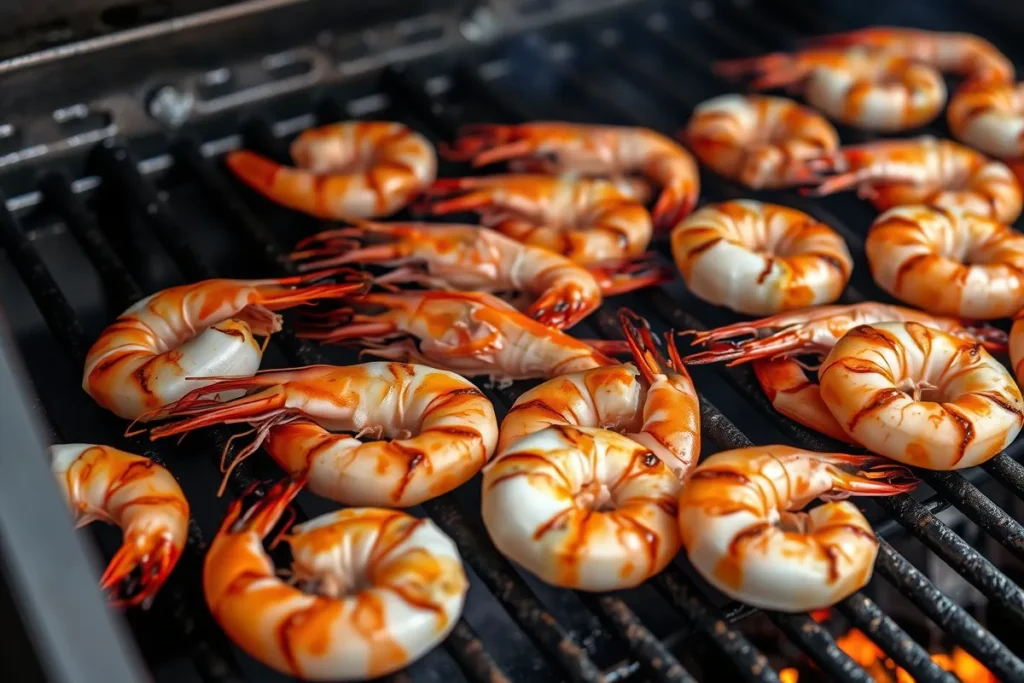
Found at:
<point>625,69</point>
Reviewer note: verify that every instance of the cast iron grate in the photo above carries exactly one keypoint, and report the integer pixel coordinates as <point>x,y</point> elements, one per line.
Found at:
<point>646,65</point>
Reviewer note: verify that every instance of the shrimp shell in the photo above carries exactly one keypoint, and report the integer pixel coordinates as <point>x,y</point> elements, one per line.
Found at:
<point>582,508</point>
<point>384,588</point>
<point>989,117</point>
<point>920,396</point>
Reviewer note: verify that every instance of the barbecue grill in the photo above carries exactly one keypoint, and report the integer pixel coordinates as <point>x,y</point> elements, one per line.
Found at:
<point>111,172</point>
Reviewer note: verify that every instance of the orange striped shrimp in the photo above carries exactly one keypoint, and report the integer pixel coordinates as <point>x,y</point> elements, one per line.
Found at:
<point>964,54</point>
<point>469,333</point>
<point>465,257</point>
<point>760,258</point>
<point>757,140</point>
<point>136,494</point>
<point>589,221</point>
<point>370,591</point>
<point>440,429</point>
<point>1017,348</point>
<point>652,401</point>
<point>163,345</point>
<point>920,396</point>
<point>554,147</point>
<point>741,525</point>
<point>353,169</point>
<point>989,116</point>
<point>947,261</point>
<point>858,87</point>
<point>922,170</point>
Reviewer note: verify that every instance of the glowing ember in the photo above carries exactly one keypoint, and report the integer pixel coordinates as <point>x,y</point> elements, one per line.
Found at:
<point>863,650</point>
<point>820,615</point>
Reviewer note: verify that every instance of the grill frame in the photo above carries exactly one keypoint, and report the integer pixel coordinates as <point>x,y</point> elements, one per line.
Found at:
<point>214,660</point>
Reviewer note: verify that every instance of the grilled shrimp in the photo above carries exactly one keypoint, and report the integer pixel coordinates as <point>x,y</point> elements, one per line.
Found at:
<point>552,147</point>
<point>814,331</point>
<point>760,141</point>
<point>652,401</point>
<point>922,170</point>
<point>371,590</point>
<point>760,258</point>
<point>354,169</point>
<point>470,333</point>
<point>921,396</point>
<point>742,529</point>
<point>465,257</point>
<point>964,54</point>
<point>990,117</point>
<point>440,428</point>
<point>136,494</point>
<point>582,508</point>
<point>858,87</point>
<point>1017,348</point>
<point>947,261</point>
<point>161,347</point>
<point>589,221</point>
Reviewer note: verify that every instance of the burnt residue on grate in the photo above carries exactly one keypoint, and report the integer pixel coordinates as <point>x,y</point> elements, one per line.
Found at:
<point>647,64</point>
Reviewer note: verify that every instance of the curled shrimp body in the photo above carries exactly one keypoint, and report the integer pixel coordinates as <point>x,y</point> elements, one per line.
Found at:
<point>921,396</point>
<point>470,333</point>
<point>1017,348</point>
<point>777,339</point>
<point>466,257</point>
<point>148,356</point>
<point>554,147</point>
<point>948,262</point>
<point>589,221</point>
<point>653,402</point>
<point>858,87</point>
<point>960,53</point>
<point>582,508</point>
<point>990,117</point>
<point>741,526</point>
<point>760,141</point>
<point>136,494</point>
<point>354,169</point>
<point>440,429</point>
<point>923,170</point>
<point>760,258</point>
<point>371,590</point>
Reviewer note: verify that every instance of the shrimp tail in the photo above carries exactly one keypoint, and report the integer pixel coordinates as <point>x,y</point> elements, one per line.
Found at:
<point>871,475</point>
<point>774,70</point>
<point>152,556</point>
<point>674,204</point>
<point>644,347</point>
<point>485,143</point>
<point>733,353</point>
<point>620,278</point>
<point>264,515</point>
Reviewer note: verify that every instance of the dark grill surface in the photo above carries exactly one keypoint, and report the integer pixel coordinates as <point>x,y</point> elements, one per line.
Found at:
<point>83,253</point>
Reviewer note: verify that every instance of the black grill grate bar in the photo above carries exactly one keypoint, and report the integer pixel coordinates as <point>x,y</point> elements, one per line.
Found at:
<point>949,616</point>
<point>118,162</point>
<point>200,632</point>
<point>471,655</point>
<point>1007,472</point>
<point>819,645</point>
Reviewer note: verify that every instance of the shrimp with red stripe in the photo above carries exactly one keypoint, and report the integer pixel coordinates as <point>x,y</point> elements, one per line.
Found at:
<point>439,428</point>
<point>556,147</point>
<point>352,169</point>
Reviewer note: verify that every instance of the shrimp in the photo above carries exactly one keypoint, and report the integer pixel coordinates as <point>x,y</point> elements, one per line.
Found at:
<point>371,590</point>
<point>653,402</point>
<point>582,508</point>
<point>742,529</point>
<point>964,54</point>
<point>922,170</point>
<point>470,333</point>
<point>553,147</point>
<point>163,345</point>
<point>136,494</point>
<point>1017,348</point>
<point>760,141</point>
<point>589,221</point>
<point>989,117</point>
<point>920,396</point>
<point>760,258</point>
<point>353,169</point>
<point>858,87</point>
<point>467,257</point>
<point>440,428</point>
<point>947,261</point>
<point>814,331</point>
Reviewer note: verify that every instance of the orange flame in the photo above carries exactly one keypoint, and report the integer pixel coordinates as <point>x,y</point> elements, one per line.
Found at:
<point>882,669</point>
